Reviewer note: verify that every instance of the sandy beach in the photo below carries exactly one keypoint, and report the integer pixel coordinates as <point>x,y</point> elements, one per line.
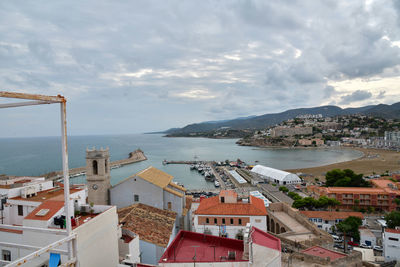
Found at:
<point>373,161</point>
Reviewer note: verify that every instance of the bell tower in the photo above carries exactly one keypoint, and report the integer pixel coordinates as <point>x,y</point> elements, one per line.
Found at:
<point>98,175</point>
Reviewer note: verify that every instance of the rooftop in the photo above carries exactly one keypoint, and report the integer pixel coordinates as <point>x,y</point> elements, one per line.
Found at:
<point>225,193</point>
<point>151,224</point>
<point>212,206</point>
<point>205,248</point>
<point>324,253</point>
<point>56,193</point>
<point>331,215</point>
<point>45,211</point>
<point>394,231</point>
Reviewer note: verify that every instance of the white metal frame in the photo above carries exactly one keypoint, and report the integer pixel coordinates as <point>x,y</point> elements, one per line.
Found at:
<point>42,100</point>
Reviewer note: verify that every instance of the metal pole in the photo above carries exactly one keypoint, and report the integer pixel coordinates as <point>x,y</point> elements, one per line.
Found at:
<point>66,174</point>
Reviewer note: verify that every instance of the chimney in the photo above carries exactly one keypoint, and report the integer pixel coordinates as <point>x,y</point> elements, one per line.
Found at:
<point>246,242</point>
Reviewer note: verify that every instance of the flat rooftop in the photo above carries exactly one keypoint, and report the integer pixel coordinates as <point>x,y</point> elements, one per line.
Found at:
<point>190,246</point>
<point>56,193</point>
<point>324,253</point>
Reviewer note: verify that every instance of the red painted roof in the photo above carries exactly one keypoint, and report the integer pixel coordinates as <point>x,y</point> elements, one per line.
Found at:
<point>212,206</point>
<point>395,231</point>
<point>182,248</point>
<point>324,253</point>
<point>56,193</point>
<point>264,239</point>
<point>51,205</point>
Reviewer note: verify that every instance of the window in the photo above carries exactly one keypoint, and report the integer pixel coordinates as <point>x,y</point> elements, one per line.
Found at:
<point>95,169</point>
<point>223,220</point>
<point>207,220</point>
<point>20,210</point>
<point>215,221</point>
<point>106,165</point>
<point>231,221</point>
<point>170,206</point>
<point>319,220</point>
<point>222,199</point>
<point>393,239</point>
<point>6,255</point>
<point>240,221</point>
<point>136,198</point>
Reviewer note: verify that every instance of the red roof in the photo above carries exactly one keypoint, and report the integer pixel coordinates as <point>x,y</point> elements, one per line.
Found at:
<point>212,206</point>
<point>264,239</point>
<point>395,231</point>
<point>186,244</point>
<point>52,206</point>
<point>324,253</point>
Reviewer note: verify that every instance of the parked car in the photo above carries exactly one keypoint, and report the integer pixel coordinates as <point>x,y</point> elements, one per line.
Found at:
<point>351,243</point>
<point>339,246</point>
<point>378,248</point>
<point>365,246</point>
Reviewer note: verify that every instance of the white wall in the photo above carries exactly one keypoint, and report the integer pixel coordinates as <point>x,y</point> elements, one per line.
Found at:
<point>391,248</point>
<point>97,240</point>
<point>122,195</point>
<point>231,230</point>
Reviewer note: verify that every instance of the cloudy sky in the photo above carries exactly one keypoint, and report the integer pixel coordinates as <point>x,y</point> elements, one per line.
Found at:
<point>137,66</point>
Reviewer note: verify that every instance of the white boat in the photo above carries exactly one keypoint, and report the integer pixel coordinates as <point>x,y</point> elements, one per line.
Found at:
<point>216,184</point>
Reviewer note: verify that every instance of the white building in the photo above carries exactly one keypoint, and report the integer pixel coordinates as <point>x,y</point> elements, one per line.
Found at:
<point>95,227</point>
<point>155,228</point>
<point>226,215</point>
<point>367,237</point>
<point>155,188</point>
<point>327,219</point>
<point>391,244</point>
<point>276,176</point>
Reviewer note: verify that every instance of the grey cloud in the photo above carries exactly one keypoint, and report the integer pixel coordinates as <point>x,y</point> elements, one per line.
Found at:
<point>356,96</point>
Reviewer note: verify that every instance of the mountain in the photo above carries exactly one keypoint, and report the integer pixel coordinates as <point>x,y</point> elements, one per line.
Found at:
<point>263,121</point>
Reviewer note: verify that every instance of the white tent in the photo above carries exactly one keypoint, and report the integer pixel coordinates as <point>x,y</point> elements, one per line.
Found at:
<point>276,176</point>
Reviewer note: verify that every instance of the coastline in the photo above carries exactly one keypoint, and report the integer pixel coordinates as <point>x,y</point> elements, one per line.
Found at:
<point>373,161</point>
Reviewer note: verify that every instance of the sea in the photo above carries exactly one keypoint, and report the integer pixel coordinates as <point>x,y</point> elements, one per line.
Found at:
<point>39,155</point>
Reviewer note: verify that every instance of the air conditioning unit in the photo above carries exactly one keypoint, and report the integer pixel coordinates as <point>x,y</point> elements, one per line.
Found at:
<point>28,192</point>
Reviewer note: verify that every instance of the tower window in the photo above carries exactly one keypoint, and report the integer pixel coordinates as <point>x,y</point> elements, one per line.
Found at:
<point>136,198</point>
<point>95,167</point>
<point>106,165</point>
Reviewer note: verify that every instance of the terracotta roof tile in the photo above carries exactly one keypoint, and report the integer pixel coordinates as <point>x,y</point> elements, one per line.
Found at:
<point>331,215</point>
<point>212,206</point>
<point>151,224</point>
<point>52,206</point>
<point>50,194</point>
<point>395,231</point>
<point>155,176</point>
<point>324,253</point>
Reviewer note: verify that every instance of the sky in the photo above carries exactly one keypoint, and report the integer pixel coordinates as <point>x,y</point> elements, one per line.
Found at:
<point>140,66</point>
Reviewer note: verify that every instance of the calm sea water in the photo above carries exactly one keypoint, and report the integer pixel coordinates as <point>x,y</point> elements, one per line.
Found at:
<point>36,156</point>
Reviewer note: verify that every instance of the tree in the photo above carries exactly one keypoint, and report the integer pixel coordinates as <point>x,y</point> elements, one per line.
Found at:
<point>345,178</point>
<point>393,219</point>
<point>283,189</point>
<point>349,227</point>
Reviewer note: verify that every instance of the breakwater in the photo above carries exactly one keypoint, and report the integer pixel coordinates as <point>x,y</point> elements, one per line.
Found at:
<point>135,156</point>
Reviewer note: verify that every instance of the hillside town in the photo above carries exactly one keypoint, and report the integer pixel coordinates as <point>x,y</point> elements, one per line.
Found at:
<point>316,131</point>
<point>256,216</point>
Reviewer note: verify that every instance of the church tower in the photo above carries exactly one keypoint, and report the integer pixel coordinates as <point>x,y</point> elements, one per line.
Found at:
<point>98,175</point>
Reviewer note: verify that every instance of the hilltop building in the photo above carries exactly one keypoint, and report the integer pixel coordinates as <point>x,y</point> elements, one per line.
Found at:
<point>281,131</point>
<point>155,188</point>
<point>226,215</point>
<point>276,176</point>
<point>257,249</point>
